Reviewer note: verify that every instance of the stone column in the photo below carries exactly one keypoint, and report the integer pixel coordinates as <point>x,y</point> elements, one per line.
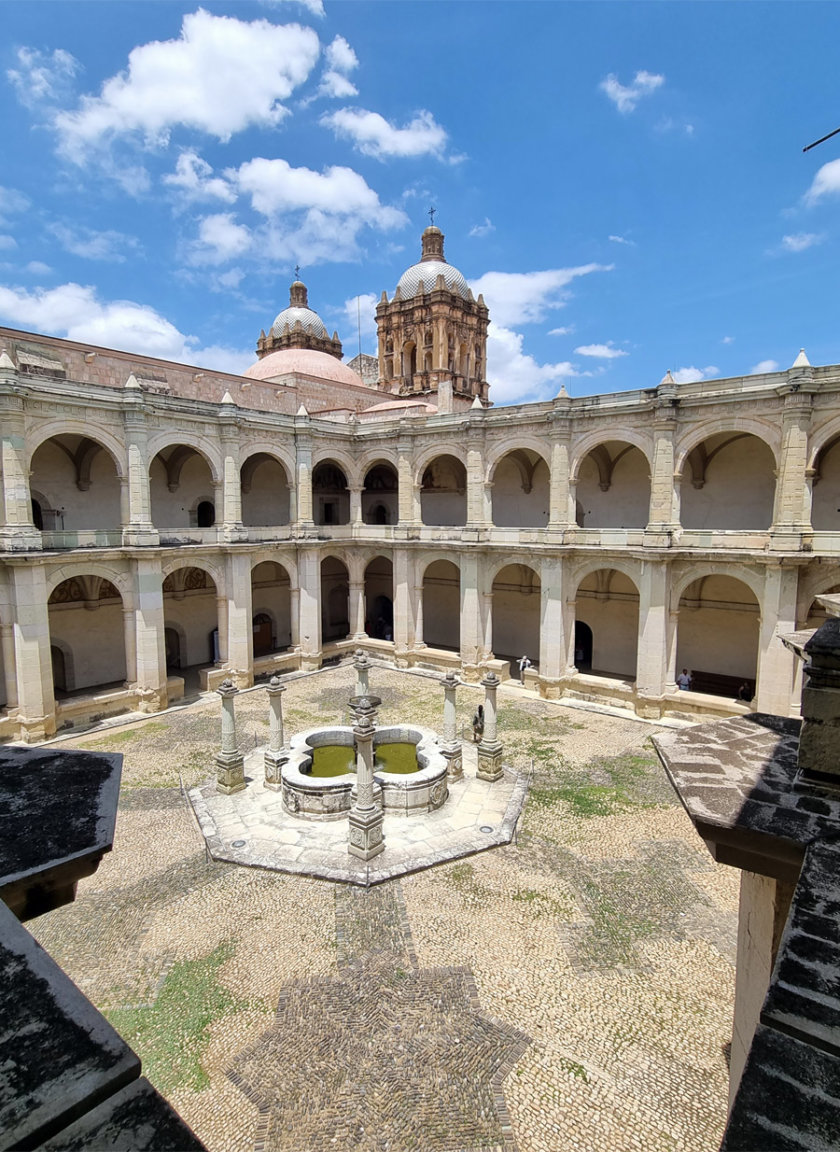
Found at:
<point>231,518</point>
<point>138,529</point>
<point>553,639</point>
<point>408,496</point>
<point>403,629</point>
<point>451,747</point>
<point>476,517</point>
<point>775,676</point>
<point>17,532</point>
<point>355,505</point>
<point>792,505</point>
<point>365,838</point>
<point>419,626</point>
<point>309,574</point>
<point>130,643</point>
<point>303,446</point>
<point>36,702</point>
<point>357,610</point>
<point>662,519</point>
<point>240,619</point>
<point>7,636</point>
<point>275,754</point>
<point>652,644</point>
<point>222,626</point>
<point>560,515</point>
<point>362,666</point>
<point>490,750</point>
<point>472,630</point>
<point>149,623</point>
<point>230,766</point>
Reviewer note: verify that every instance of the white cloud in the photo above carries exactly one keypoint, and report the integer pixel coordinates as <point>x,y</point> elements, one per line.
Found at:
<point>482,229</point>
<point>374,136</point>
<point>728,340</point>
<point>825,183</point>
<point>275,186</point>
<point>799,241</point>
<point>220,239</point>
<point>221,76</point>
<point>38,268</point>
<point>315,7</point>
<point>626,97</point>
<point>361,307</point>
<point>600,351</point>
<point>74,311</point>
<point>764,366</point>
<point>340,59</point>
<point>7,243</point>
<point>525,297</point>
<point>566,330</point>
<point>513,375</point>
<point>11,203</point>
<point>40,78</point>
<point>692,375</point>
<point>669,124</point>
<point>93,245</point>
<point>194,179</point>
<point>622,240</point>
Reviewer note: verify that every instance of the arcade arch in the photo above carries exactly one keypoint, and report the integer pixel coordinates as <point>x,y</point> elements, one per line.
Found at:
<point>182,489</point>
<point>88,651</point>
<point>607,603</point>
<point>443,492</point>
<point>516,613</point>
<point>266,495</point>
<point>75,484</point>
<point>442,605</point>
<point>191,619</point>
<point>335,600</point>
<point>728,483</point>
<point>520,493</point>
<point>271,604</point>
<point>380,503</point>
<point>613,487</point>
<point>379,599</point>
<point>330,495</point>
<point>718,634</point>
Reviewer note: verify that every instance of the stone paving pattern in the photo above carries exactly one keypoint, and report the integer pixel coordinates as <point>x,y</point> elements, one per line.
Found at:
<point>604,933</point>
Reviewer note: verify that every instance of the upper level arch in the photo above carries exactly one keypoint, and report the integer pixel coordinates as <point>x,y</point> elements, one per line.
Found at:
<point>443,491</point>
<point>521,491</point>
<point>584,446</point>
<point>613,486</point>
<point>121,580</point>
<point>213,570</point>
<point>681,579</point>
<point>99,438</point>
<point>169,441</point>
<point>745,425</point>
<point>518,442</point>
<point>75,483</point>
<point>728,482</point>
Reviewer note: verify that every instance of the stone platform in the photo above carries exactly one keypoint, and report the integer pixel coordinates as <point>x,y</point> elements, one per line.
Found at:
<point>254,829</point>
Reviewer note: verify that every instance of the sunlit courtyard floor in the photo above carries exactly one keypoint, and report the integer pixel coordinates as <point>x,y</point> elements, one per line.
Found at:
<point>570,990</point>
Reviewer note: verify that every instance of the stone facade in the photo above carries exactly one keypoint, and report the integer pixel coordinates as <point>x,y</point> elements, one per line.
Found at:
<point>163,528</point>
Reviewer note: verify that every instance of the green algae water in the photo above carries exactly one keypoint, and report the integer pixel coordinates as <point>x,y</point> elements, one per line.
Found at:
<point>396,758</point>
<point>332,760</point>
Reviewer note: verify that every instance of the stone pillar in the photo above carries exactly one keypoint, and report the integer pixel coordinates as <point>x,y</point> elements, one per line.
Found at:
<point>357,610</point>
<point>762,913</point>
<point>294,613</point>
<point>232,526</point>
<point>662,519</point>
<point>403,617</point>
<point>138,529</point>
<point>230,766</point>
<point>130,643</point>
<point>222,627</point>
<point>303,445</point>
<point>149,645</point>
<point>553,639</point>
<point>309,573</point>
<point>355,505</point>
<point>775,676</point>
<point>362,666</point>
<point>652,643</point>
<point>408,495</point>
<point>792,505</point>
<point>451,746</point>
<point>490,750</point>
<point>239,616</point>
<point>472,629</point>
<point>560,513</point>
<point>7,636</point>
<point>365,838</point>
<point>476,516</point>
<point>17,532</point>
<point>36,702</point>
<point>275,754</point>
<point>419,626</point>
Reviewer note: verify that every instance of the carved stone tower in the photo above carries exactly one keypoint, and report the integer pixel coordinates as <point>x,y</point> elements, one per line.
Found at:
<point>433,333</point>
<point>298,327</point>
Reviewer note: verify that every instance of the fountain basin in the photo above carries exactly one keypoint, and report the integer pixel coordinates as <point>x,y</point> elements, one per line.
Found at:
<point>407,791</point>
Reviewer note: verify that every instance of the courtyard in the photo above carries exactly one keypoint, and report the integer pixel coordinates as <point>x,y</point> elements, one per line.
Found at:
<point>571,990</point>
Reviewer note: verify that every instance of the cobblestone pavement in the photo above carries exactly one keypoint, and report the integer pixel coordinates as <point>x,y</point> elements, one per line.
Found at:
<point>386,1056</point>
<point>604,934</point>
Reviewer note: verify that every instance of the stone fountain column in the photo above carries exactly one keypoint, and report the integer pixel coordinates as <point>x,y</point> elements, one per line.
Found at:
<point>490,750</point>
<point>365,839</point>
<point>451,747</point>
<point>230,766</point>
<point>275,756</point>
<point>362,666</point>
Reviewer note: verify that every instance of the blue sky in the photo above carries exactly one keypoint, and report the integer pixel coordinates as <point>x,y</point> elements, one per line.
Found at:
<point>625,182</point>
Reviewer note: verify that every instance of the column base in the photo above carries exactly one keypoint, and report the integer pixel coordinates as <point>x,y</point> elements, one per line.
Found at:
<point>230,773</point>
<point>151,699</point>
<point>472,673</point>
<point>232,533</point>
<point>791,540</point>
<point>25,539</point>
<point>34,729</point>
<point>454,762</point>
<point>274,761</point>
<point>490,761</point>
<point>658,537</point>
<point>551,687</point>
<point>364,838</point>
<point>242,677</point>
<point>140,536</point>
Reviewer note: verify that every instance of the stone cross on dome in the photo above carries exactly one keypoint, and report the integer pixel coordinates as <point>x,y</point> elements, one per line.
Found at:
<point>297,271</point>
<point>432,211</point>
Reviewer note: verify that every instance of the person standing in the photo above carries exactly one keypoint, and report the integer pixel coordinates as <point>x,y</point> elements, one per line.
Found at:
<point>523,664</point>
<point>684,680</point>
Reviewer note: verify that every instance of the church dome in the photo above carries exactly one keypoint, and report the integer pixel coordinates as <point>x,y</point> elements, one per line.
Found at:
<point>432,264</point>
<point>310,321</point>
<point>305,362</point>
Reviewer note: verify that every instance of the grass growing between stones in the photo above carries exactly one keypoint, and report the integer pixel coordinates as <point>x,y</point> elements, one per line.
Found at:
<point>171,1035</point>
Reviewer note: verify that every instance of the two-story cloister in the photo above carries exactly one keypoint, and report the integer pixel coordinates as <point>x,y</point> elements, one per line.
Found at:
<point>164,526</point>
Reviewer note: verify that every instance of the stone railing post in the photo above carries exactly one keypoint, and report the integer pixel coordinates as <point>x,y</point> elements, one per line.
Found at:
<point>230,766</point>
<point>490,750</point>
<point>365,838</point>
<point>451,747</point>
<point>275,756</point>
<point>362,666</point>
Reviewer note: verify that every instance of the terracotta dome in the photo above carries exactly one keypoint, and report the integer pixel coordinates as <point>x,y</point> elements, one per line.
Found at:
<point>306,362</point>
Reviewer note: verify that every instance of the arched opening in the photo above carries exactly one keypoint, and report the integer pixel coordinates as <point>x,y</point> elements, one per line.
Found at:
<point>427,362</point>
<point>77,485</point>
<point>442,605</point>
<point>271,598</point>
<point>463,360</point>
<point>379,599</point>
<point>87,634</point>
<point>607,602</point>
<point>181,487</point>
<point>190,611</point>
<point>380,504</point>
<point>266,496</point>
<point>613,487</point>
<point>521,490</point>
<point>443,492</point>
<point>409,359</point>
<point>583,646</point>
<point>516,614</point>
<point>825,498</point>
<point>728,483</point>
<point>172,646</point>
<point>330,497</point>
<point>717,635</point>
<point>263,634</point>
<point>335,600</point>
<point>816,615</point>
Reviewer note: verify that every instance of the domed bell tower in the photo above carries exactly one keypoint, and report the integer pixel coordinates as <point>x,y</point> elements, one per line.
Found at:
<point>298,327</point>
<point>433,333</point>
